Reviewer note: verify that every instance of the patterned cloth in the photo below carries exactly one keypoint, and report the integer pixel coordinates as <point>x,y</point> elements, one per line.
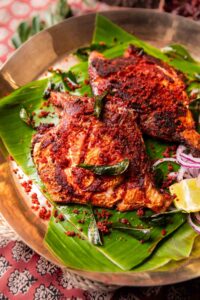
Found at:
<point>23,273</point>
<point>12,12</point>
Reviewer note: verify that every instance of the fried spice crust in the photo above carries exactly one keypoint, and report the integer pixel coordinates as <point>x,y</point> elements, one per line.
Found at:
<point>81,137</point>
<point>153,89</point>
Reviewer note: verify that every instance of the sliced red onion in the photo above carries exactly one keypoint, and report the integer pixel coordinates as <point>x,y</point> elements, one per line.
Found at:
<point>187,164</point>
<point>187,160</point>
<point>192,224</point>
<point>181,173</point>
<point>193,173</point>
<point>160,161</point>
<point>190,158</point>
<point>197,216</point>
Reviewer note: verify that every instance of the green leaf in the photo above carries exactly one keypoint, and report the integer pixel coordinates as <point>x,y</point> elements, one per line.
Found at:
<point>25,116</point>
<point>22,34</point>
<point>63,81</point>
<point>119,247</point>
<point>195,109</point>
<point>93,231</point>
<point>16,135</point>
<point>24,31</point>
<point>98,105</point>
<point>63,9</point>
<point>177,51</point>
<point>141,234</point>
<point>75,252</point>
<point>112,35</point>
<point>178,246</point>
<point>37,25</point>
<point>158,177</point>
<point>16,41</point>
<point>113,170</point>
<point>84,52</point>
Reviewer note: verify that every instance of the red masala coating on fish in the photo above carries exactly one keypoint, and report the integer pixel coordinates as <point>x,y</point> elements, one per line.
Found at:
<point>81,137</point>
<point>153,89</point>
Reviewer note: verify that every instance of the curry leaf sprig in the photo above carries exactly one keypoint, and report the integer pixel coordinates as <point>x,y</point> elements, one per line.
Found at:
<point>112,170</point>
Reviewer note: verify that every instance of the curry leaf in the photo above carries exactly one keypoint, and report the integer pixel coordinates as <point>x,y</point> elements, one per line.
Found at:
<point>93,231</point>
<point>25,116</point>
<point>112,170</point>
<point>158,177</point>
<point>98,105</point>
<point>195,109</point>
<point>142,234</point>
<point>177,51</point>
<point>83,52</point>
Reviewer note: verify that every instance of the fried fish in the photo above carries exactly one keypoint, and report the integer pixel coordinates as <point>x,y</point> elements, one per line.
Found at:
<point>81,137</point>
<point>152,88</point>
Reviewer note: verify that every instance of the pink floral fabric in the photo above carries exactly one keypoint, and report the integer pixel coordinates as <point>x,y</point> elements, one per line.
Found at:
<point>12,12</point>
<point>24,273</point>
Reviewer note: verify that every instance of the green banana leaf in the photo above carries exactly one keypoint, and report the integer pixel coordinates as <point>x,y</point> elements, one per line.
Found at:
<point>15,133</point>
<point>121,248</point>
<point>178,246</point>
<point>108,32</point>
<point>115,254</point>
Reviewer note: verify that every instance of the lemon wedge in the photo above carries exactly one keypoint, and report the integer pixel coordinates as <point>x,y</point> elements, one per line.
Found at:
<point>187,195</point>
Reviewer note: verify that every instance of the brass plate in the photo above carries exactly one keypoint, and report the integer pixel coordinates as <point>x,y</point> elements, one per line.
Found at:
<point>29,62</point>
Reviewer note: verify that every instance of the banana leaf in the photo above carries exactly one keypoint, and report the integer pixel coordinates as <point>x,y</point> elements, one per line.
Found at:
<point>120,247</point>
<point>177,247</point>
<point>16,134</point>
<point>108,32</point>
<point>73,251</point>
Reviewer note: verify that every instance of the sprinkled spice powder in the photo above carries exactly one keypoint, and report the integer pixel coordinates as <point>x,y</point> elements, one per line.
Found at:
<point>70,233</point>
<point>104,226</point>
<point>27,185</point>
<point>44,213</point>
<point>60,217</point>
<point>75,211</point>
<point>124,221</point>
<point>82,221</point>
<point>43,114</point>
<point>140,212</point>
<point>34,198</point>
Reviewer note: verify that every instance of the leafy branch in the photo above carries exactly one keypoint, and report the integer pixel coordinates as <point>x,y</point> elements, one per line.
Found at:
<point>27,29</point>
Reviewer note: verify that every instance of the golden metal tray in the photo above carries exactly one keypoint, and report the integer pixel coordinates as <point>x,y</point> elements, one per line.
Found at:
<point>29,62</point>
